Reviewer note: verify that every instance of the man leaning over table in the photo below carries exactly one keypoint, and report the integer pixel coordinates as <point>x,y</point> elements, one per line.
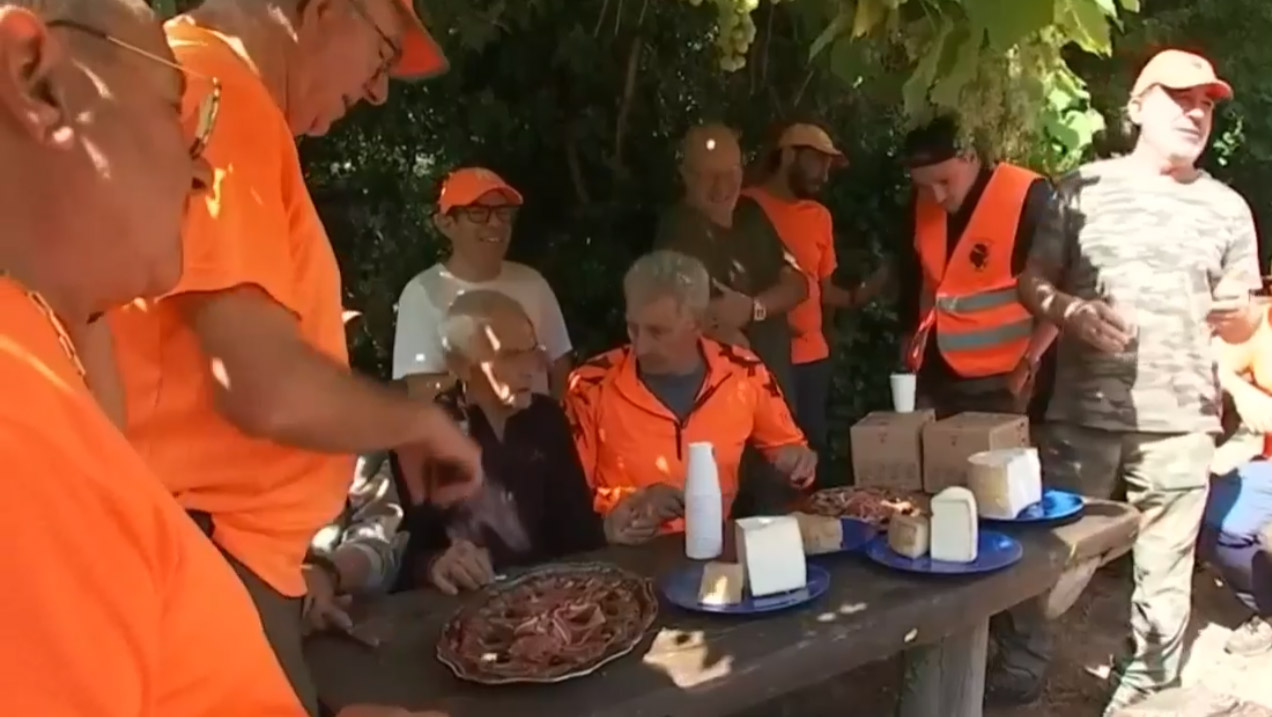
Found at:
<point>238,386</point>
<point>476,212</point>
<point>127,609</point>
<point>635,409</point>
<point>1143,255</point>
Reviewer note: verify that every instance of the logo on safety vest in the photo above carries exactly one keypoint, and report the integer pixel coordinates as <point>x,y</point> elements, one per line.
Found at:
<point>979,256</point>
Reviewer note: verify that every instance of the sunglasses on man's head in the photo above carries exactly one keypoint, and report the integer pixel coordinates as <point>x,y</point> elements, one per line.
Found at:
<point>204,118</point>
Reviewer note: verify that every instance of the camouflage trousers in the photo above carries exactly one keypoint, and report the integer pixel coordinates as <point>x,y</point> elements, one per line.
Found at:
<point>1165,477</point>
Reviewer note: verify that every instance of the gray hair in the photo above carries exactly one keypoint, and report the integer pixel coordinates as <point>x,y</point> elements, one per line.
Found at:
<point>665,273</point>
<point>97,14</point>
<point>472,315</point>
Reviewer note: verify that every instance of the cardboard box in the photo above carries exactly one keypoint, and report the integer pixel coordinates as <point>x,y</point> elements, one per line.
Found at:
<point>948,444</point>
<point>887,449</point>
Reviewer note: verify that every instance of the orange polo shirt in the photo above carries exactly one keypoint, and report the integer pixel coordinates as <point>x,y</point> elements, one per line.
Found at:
<point>116,605</point>
<point>627,439</point>
<point>256,227</point>
<point>807,231</point>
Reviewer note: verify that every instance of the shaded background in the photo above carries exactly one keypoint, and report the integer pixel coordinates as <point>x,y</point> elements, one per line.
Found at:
<point>579,103</point>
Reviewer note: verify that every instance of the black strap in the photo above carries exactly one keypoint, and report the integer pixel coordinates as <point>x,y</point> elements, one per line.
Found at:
<point>203,519</point>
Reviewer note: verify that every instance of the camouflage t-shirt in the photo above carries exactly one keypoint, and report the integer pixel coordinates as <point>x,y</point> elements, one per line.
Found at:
<point>1159,251</point>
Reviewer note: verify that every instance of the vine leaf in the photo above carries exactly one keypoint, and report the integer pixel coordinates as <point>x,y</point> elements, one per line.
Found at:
<point>1007,22</point>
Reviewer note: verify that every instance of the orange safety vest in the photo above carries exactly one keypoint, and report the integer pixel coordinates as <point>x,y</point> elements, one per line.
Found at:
<point>970,298</point>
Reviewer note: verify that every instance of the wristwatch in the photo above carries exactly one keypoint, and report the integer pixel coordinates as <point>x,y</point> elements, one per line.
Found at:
<point>758,311</point>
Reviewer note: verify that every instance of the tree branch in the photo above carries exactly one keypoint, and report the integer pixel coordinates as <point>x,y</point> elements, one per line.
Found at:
<point>600,19</point>
<point>625,104</point>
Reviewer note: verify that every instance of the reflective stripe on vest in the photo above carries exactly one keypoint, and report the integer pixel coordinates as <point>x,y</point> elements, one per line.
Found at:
<point>981,327</point>
<point>985,338</point>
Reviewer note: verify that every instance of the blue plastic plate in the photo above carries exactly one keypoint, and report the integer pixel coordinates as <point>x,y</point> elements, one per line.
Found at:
<point>681,588</point>
<point>1055,505</point>
<point>857,534</point>
<point>995,551</point>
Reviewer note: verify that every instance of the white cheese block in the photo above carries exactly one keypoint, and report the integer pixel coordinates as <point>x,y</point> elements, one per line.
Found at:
<point>771,551</point>
<point>909,535</point>
<point>954,527</point>
<point>722,584</point>
<point>820,533</point>
<point>1005,481</point>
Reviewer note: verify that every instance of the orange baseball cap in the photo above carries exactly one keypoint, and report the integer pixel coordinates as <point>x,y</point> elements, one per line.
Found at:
<point>810,136</point>
<point>465,186</point>
<point>422,57</point>
<point>1180,70</point>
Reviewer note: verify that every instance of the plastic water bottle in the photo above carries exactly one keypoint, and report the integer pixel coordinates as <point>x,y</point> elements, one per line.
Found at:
<point>704,509</point>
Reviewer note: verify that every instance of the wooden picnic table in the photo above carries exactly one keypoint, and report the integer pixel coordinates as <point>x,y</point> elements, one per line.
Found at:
<point>693,664</point>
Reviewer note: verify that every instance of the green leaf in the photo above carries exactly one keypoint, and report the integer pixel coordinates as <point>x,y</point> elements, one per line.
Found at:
<point>869,14</point>
<point>1009,21</point>
<point>848,60</point>
<point>1087,25</point>
<point>833,30</point>
<point>914,92</point>
<point>1131,5</point>
<point>1108,6</point>
<point>963,50</point>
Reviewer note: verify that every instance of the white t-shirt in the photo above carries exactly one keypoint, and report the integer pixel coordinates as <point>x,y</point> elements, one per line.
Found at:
<point>417,346</point>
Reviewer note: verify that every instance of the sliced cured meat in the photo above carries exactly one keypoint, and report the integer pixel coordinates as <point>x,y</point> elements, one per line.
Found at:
<point>871,504</point>
<point>550,624</point>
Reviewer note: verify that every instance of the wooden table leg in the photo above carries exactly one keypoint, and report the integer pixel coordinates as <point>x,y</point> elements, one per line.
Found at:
<point>946,679</point>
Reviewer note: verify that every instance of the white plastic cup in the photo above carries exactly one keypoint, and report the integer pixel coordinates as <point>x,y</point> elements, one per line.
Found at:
<point>903,388</point>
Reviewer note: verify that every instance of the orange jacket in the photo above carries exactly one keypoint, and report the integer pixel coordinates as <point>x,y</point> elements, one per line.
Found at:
<point>627,439</point>
<point>969,296</point>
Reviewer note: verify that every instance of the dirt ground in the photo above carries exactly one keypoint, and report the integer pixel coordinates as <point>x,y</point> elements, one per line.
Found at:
<point>1087,638</point>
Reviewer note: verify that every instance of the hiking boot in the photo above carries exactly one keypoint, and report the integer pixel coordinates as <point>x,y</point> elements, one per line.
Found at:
<point>1006,687</point>
<point>1253,637</point>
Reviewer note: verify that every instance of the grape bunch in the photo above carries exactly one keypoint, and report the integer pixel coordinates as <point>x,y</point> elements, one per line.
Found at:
<point>735,30</point>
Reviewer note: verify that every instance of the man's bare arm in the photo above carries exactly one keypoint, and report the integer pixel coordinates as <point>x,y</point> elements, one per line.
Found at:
<point>790,289</point>
<point>272,384</point>
<point>1038,293</point>
<point>425,386</point>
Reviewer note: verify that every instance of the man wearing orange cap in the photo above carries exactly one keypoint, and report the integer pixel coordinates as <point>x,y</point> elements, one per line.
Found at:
<point>237,386</point>
<point>1143,259</point>
<point>795,172</point>
<point>476,211</point>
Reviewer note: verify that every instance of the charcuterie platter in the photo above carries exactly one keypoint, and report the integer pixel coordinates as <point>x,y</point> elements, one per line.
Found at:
<point>549,624</point>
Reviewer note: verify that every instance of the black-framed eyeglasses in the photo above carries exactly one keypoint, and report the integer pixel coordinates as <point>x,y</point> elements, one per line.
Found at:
<point>387,62</point>
<point>204,119</point>
<point>481,213</point>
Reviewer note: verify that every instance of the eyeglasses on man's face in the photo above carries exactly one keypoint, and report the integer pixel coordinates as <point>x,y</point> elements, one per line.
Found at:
<point>200,124</point>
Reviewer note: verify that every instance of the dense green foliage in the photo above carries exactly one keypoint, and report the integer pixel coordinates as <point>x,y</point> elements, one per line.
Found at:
<point>579,103</point>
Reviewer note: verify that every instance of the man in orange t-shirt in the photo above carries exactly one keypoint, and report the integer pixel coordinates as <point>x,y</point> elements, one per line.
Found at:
<point>125,609</point>
<point>796,171</point>
<point>238,388</point>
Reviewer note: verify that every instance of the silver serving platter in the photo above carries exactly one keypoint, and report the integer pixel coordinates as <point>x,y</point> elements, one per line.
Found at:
<point>645,598</point>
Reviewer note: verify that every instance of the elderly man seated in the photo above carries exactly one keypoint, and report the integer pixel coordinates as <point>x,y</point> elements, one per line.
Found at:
<point>636,409</point>
<point>536,504</point>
